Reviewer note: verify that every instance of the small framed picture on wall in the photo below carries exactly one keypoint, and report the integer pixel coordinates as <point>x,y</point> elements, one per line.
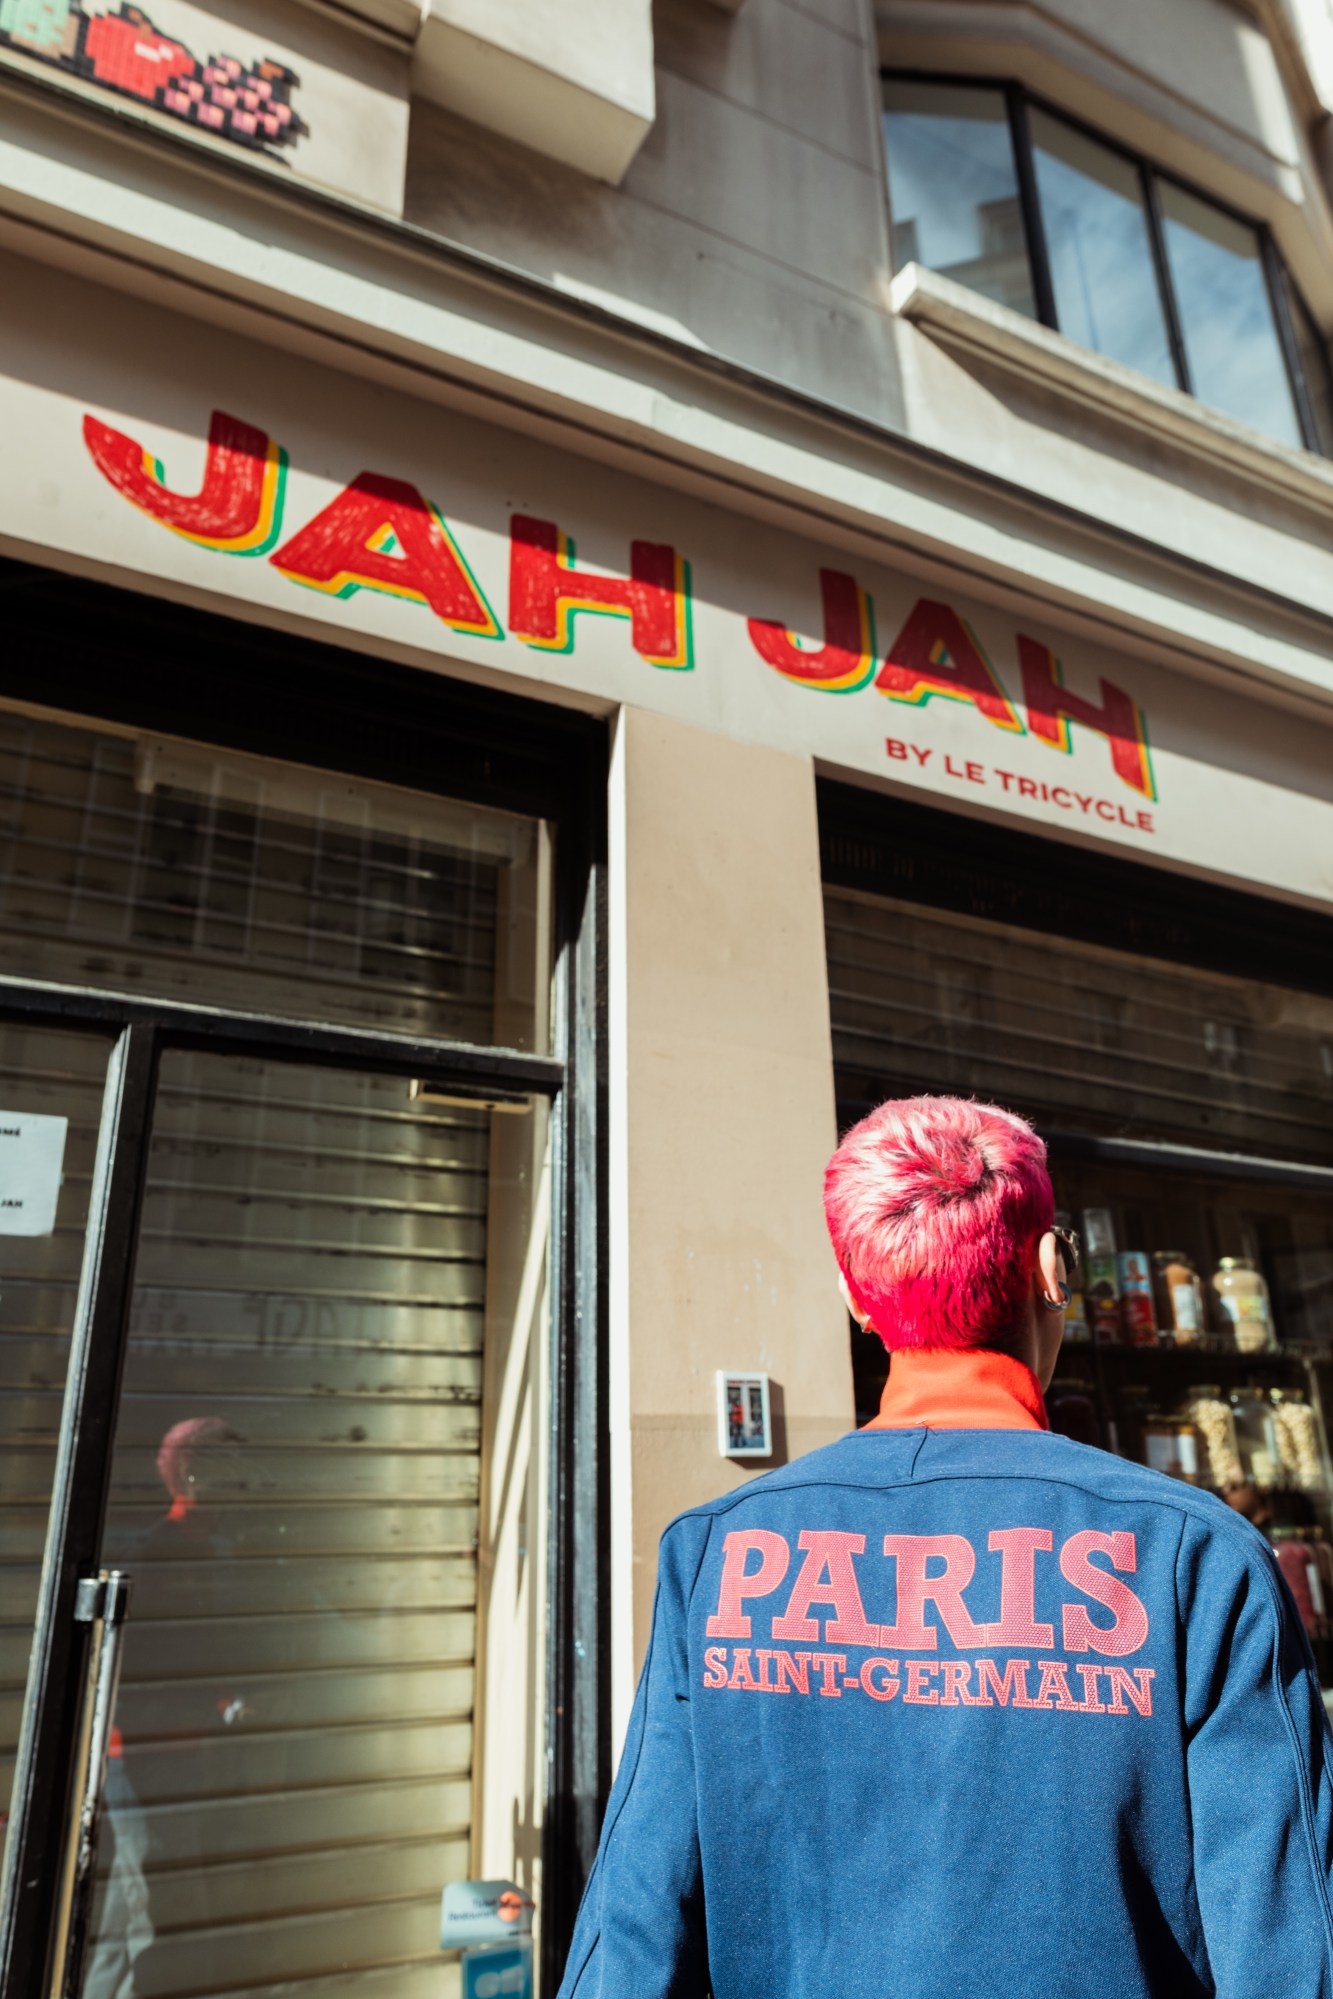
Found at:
<point>744,1421</point>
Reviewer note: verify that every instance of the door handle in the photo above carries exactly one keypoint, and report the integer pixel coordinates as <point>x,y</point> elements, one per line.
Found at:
<point>101,1600</point>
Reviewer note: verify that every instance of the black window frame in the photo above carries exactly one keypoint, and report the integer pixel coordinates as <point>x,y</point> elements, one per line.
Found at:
<point>1019,101</point>
<point>98,652</point>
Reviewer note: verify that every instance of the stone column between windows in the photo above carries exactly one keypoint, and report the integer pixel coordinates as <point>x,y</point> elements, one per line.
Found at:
<point>722,1121</point>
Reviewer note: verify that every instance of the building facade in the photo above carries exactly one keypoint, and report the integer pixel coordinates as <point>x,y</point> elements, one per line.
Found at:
<point>590,590</point>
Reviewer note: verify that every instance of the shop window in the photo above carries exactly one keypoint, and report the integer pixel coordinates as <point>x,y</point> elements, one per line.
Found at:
<point>1185,1113</point>
<point>1006,196</point>
<point>191,874</point>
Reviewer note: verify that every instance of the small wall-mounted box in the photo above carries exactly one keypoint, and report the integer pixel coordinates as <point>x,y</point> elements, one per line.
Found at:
<point>744,1419</point>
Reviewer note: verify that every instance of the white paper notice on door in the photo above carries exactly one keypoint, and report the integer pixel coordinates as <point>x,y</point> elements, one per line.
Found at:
<point>32,1155</point>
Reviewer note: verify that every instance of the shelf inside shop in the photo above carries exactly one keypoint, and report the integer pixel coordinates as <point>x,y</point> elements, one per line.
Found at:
<point>1209,1279</point>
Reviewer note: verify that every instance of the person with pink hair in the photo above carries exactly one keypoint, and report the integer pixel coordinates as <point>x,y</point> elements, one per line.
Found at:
<point>956,1705</point>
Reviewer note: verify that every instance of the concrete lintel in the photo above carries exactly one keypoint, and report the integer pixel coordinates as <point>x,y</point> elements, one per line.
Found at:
<point>958,316</point>
<point>584,96</point>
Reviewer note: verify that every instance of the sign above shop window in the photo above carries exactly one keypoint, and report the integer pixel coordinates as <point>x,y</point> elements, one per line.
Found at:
<point>278,82</point>
<point>233,473</point>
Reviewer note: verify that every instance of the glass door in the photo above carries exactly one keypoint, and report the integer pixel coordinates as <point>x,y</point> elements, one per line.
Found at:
<point>294,1493</point>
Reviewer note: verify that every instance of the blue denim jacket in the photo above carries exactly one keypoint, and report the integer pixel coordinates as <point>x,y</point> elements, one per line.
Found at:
<point>946,1714</point>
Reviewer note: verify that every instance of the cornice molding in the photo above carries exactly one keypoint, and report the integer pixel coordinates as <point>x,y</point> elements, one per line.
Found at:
<point>306,272</point>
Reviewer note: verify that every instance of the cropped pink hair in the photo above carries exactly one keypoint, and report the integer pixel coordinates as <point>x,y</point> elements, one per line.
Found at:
<point>935,1206</point>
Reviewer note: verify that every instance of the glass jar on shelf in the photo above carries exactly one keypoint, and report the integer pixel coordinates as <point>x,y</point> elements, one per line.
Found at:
<point>1242,1298</point>
<point>1216,1424</point>
<point>1256,1436</point>
<point>1297,1430</point>
<point>1179,1297</point>
<point>1299,1565</point>
<point>1174,1445</point>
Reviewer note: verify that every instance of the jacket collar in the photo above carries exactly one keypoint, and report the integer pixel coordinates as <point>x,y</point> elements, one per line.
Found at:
<point>950,1388</point>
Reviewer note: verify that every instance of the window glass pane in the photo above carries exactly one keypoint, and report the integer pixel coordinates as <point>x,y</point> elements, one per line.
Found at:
<point>51,1085</point>
<point>1106,294</point>
<point>147,865</point>
<point>954,189</point>
<point>1313,349</point>
<point>1227,318</point>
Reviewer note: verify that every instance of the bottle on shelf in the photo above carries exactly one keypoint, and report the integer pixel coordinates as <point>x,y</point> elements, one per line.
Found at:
<point>1297,1561</point>
<point>1101,1289</point>
<point>1242,1296</point>
<point>1179,1297</point>
<point>1256,1436</point>
<point>1138,1319</point>
<point>1174,1445</point>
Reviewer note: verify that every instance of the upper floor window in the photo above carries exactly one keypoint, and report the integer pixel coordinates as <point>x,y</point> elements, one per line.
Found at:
<point>1007,197</point>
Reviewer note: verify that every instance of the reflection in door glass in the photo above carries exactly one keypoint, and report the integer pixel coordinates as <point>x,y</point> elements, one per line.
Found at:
<point>295,1489</point>
<point>50,1108</point>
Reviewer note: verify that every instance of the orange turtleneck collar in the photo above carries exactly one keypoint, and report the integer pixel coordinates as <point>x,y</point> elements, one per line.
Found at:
<point>959,1388</point>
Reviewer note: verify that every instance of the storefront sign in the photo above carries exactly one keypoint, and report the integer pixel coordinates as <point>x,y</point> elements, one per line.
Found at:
<point>32,1157</point>
<point>192,459</point>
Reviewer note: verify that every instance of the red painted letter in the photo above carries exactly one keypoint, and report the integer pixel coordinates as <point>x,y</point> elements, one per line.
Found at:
<point>1051,708</point>
<point>1130,1626</point>
<point>729,1620</point>
<point>1013,1680</point>
<point>885,1688</point>
<point>831,1551</point>
<point>1054,1680</point>
<point>956,1674</point>
<point>846,659</point>
<point>1018,1548</point>
<point>910,1632</point>
<point>236,508</point>
<point>545,590</point>
<point>379,534</point>
<point>1123,1679</point>
<point>937,653</point>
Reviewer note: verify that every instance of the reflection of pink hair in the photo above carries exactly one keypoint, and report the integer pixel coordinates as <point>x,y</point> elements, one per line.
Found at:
<point>935,1206</point>
<point>181,1442</point>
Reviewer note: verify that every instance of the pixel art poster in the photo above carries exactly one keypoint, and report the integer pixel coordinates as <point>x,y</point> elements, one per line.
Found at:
<point>122,50</point>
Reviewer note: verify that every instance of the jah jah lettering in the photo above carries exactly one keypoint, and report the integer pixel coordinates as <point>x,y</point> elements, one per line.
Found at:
<point>381,533</point>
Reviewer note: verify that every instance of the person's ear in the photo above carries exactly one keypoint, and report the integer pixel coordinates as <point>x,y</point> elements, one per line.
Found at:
<point>1049,1277</point>
<point>862,1318</point>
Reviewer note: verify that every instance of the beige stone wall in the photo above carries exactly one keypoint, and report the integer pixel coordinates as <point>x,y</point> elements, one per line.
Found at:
<point>723,1075</point>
